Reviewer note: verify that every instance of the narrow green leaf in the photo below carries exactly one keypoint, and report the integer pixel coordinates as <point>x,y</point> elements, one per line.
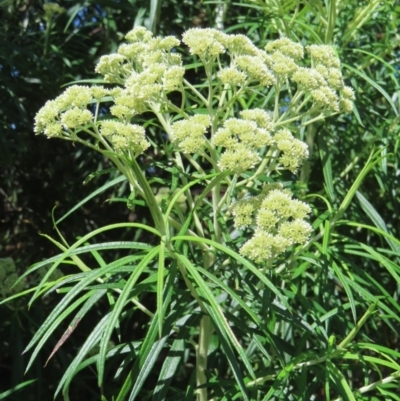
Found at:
<point>147,344</point>
<point>240,259</point>
<point>20,386</point>
<point>98,191</point>
<point>373,159</point>
<point>388,264</point>
<point>83,283</point>
<point>373,360</point>
<point>362,75</point>
<point>346,287</point>
<point>171,364</point>
<point>217,180</point>
<point>326,238</point>
<point>155,10</point>
<point>73,325</point>
<point>160,286</point>
<point>232,293</point>
<point>219,321</point>
<point>340,381</point>
<point>357,327</point>
<point>93,338</point>
<point>119,305</point>
<point>47,329</point>
<point>330,349</point>
<point>147,366</point>
<point>376,219</point>
<point>68,252</point>
<point>380,349</point>
<point>326,160</point>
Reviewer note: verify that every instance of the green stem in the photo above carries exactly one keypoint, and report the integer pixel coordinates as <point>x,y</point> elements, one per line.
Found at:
<point>189,197</point>
<point>201,357</point>
<point>198,94</point>
<point>306,168</point>
<point>47,37</point>
<point>149,197</point>
<point>276,107</point>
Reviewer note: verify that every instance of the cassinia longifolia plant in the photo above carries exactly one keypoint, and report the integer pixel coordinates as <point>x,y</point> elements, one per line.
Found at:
<point>218,141</point>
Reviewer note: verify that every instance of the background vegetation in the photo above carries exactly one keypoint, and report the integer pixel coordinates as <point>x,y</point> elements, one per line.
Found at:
<point>354,269</point>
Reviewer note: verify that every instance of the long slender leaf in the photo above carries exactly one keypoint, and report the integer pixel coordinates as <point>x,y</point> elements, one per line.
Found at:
<point>240,259</point>
<point>220,322</point>
<point>120,304</point>
<point>376,219</point>
<point>379,88</point>
<point>98,191</point>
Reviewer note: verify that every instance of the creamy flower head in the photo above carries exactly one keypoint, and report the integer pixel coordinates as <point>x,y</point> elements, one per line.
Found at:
<point>294,151</point>
<point>259,116</point>
<point>189,133</point>
<point>240,45</point>
<point>206,42</point>
<point>99,92</point>
<point>114,68</point>
<point>309,78</point>
<point>278,220</point>
<point>324,54</point>
<point>125,137</point>
<point>325,97</point>
<point>232,76</point>
<point>347,99</point>
<point>173,78</point>
<point>66,114</point>
<point>139,34</point>
<point>283,65</point>
<point>256,69</point>
<point>76,118</point>
<point>75,96</point>
<point>242,139</point>
<point>348,93</point>
<point>239,159</point>
<point>286,47</point>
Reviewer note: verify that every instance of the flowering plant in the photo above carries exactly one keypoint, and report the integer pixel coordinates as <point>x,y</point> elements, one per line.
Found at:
<point>243,214</point>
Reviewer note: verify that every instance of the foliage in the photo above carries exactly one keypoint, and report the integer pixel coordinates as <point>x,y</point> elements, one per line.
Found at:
<point>334,329</point>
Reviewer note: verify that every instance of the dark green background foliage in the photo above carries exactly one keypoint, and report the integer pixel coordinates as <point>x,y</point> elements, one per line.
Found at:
<point>38,57</point>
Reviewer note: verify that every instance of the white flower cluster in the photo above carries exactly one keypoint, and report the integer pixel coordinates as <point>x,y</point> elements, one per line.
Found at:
<point>281,60</point>
<point>146,67</point>
<point>66,114</point>
<point>278,221</point>
<point>189,133</point>
<point>125,137</point>
<point>242,139</point>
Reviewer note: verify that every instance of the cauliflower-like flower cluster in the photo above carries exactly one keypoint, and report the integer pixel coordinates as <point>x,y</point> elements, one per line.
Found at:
<point>125,137</point>
<point>279,222</point>
<point>67,114</point>
<point>146,69</point>
<point>243,138</point>
<point>281,59</point>
<point>189,133</point>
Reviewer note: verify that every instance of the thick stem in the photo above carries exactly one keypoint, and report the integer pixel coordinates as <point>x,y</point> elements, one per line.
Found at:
<point>201,357</point>
<point>306,168</point>
<point>149,197</point>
